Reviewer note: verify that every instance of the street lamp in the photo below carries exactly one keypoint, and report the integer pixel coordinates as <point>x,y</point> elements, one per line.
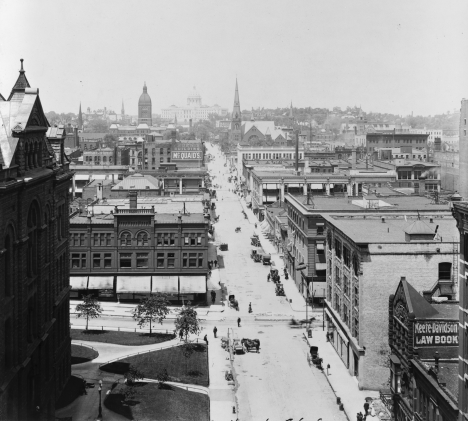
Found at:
<point>301,267</point>
<point>100,406</point>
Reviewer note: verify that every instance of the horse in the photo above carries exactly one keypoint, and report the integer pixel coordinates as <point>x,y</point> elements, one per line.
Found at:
<point>250,344</point>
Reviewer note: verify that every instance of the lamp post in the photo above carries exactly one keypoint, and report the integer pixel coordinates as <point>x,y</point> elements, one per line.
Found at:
<point>301,267</point>
<point>100,405</point>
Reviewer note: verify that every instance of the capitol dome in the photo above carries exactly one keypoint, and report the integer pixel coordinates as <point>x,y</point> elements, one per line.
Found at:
<point>144,97</point>
<point>194,94</point>
<point>194,98</point>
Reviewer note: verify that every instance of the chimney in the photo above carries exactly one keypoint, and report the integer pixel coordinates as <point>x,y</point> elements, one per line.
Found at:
<point>99,191</point>
<point>353,158</point>
<point>133,199</point>
<point>422,185</point>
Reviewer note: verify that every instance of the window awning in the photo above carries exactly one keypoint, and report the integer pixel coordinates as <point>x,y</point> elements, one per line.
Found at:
<point>167,284</point>
<point>319,246</point>
<point>320,266</point>
<point>192,284</point>
<point>99,176</point>
<point>136,284</point>
<point>81,177</point>
<point>316,186</point>
<point>101,282</point>
<point>79,282</point>
<point>445,289</point>
<point>293,185</point>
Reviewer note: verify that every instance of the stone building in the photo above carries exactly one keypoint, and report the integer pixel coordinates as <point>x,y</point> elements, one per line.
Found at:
<point>34,255</point>
<point>366,255</point>
<point>145,109</point>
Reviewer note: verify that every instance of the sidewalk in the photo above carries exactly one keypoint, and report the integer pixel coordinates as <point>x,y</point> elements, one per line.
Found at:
<point>343,384</point>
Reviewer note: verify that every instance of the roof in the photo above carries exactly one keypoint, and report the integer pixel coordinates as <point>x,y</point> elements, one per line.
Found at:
<point>419,227</point>
<point>56,132</point>
<point>261,126</point>
<point>370,229</point>
<point>144,97</point>
<point>138,181</point>
<point>20,85</point>
<point>416,303</point>
<point>108,219</point>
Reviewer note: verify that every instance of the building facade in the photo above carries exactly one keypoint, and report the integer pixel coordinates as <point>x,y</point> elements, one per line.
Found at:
<point>376,141</point>
<point>366,256</point>
<point>132,252</point>
<point>461,216</point>
<point>34,271</point>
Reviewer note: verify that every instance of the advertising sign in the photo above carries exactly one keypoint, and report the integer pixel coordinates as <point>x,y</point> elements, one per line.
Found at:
<point>186,151</point>
<point>435,333</point>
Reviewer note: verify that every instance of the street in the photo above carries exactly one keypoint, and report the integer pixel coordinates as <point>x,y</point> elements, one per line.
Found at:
<point>277,383</point>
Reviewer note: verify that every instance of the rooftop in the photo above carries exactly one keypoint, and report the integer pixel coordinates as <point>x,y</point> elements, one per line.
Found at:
<point>370,229</point>
<point>82,219</point>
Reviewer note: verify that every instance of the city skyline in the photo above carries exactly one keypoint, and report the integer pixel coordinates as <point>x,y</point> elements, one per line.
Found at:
<point>395,58</point>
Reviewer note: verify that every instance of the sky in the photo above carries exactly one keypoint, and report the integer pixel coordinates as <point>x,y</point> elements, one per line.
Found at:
<point>393,56</point>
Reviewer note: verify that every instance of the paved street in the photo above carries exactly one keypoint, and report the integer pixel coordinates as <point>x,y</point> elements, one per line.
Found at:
<point>277,383</point>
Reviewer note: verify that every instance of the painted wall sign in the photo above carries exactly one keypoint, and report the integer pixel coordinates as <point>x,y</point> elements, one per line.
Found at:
<point>186,151</point>
<point>435,333</point>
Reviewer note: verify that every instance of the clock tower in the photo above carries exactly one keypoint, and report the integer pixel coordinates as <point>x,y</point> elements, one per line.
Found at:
<point>145,108</point>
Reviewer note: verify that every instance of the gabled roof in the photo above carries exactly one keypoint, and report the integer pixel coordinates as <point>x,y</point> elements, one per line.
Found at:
<point>21,84</point>
<point>416,303</point>
<point>15,116</point>
<point>138,182</point>
<point>1,98</point>
<point>419,227</point>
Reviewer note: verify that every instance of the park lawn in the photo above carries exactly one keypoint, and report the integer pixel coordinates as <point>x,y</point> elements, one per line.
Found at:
<point>152,403</point>
<point>120,338</point>
<point>82,354</point>
<point>193,370</point>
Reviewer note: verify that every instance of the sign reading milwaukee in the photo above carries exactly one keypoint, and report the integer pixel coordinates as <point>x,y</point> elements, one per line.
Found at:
<point>186,151</point>
<point>435,333</point>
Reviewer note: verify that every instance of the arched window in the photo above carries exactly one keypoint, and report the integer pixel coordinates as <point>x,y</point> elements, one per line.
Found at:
<point>142,238</point>
<point>33,240</point>
<point>125,239</point>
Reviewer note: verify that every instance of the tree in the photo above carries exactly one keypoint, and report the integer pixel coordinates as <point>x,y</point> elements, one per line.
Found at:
<point>151,309</point>
<point>133,375</point>
<point>162,377</point>
<point>98,126</point>
<point>110,139</point>
<point>187,322</point>
<point>90,308</point>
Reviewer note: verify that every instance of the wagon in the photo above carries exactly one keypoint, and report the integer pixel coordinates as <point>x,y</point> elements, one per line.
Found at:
<point>237,346</point>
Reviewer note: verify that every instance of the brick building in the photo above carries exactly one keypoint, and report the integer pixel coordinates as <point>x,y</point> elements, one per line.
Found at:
<point>34,272</point>
<point>461,216</point>
<point>131,251</point>
<point>376,141</point>
<point>366,255</point>
<point>423,340</point>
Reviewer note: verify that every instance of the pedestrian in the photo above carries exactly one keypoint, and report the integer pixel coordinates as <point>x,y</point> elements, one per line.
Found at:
<point>206,339</point>
<point>181,334</point>
<point>84,388</point>
<point>213,297</point>
<point>359,416</point>
<point>216,263</point>
<point>250,307</point>
<point>268,278</point>
<point>366,408</point>
<point>215,331</point>
<point>238,321</point>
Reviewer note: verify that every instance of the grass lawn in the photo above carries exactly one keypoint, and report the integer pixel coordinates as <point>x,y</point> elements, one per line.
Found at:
<point>152,403</point>
<point>82,354</point>
<point>119,338</point>
<point>180,369</point>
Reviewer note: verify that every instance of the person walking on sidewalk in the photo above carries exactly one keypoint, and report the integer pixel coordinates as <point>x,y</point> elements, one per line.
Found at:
<point>206,340</point>
<point>238,321</point>
<point>216,263</point>
<point>213,297</point>
<point>366,409</point>
<point>215,331</point>
<point>250,307</point>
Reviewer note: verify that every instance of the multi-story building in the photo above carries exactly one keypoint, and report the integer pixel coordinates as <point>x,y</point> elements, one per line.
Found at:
<point>464,149</point>
<point>194,110</point>
<point>34,271</point>
<point>88,141</point>
<point>376,141</point>
<point>99,156</point>
<point>461,215</point>
<point>366,255</point>
<point>423,340</point>
<point>133,251</point>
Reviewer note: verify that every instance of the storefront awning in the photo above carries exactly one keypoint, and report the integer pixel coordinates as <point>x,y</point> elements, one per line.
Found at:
<point>99,176</point>
<point>192,284</point>
<point>167,284</point>
<point>79,282</point>
<point>293,185</point>
<point>319,246</point>
<point>320,266</point>
<point>136,284</point>
<point>101,282</point>
<point>81,177</point>
<point>316,186</point>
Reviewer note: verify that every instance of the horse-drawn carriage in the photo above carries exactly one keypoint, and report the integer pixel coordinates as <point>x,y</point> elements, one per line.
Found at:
<point>279,290</point>
<point>314,355</point>
<point>249,344</point>
<point>274,275</point>
<point>254,240</point>
<point>256,254</point>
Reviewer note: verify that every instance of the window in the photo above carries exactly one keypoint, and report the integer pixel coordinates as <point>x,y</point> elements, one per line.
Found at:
<point>160,260</point>
<point>337,303</point>
<point>346,285</point>
<point>82,239</point>
<point>193,240</point>
<point>200,260</point>
<point>346,256</point>
<point>345,314</point>
<point>142,239</point>
<point>356,328</point>
<point>33,240</point>
<point>445,270</point>
<point>159,239</point>
<point>404,175</point>
<point>338,249</point>
<point>108,239</point>
<point>95,239</point>
<point>170,260</point>
<point>142,260</point>
<point>107,260</point>
<point>184,260</point>
<point>125,260</point>
<point>199,240</point>
<point>125,239</point>
<point>192,260</point>
<point>186,240</point>
<point>78,260</point>
<point>96,260</point>
<point>356,297</point>
<point>337,276</point>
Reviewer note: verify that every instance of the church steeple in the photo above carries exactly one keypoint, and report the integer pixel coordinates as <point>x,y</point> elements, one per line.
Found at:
<point>80,119</point>
<point>291,116</point>
<point>236,111</point>
<point>21,83</point>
